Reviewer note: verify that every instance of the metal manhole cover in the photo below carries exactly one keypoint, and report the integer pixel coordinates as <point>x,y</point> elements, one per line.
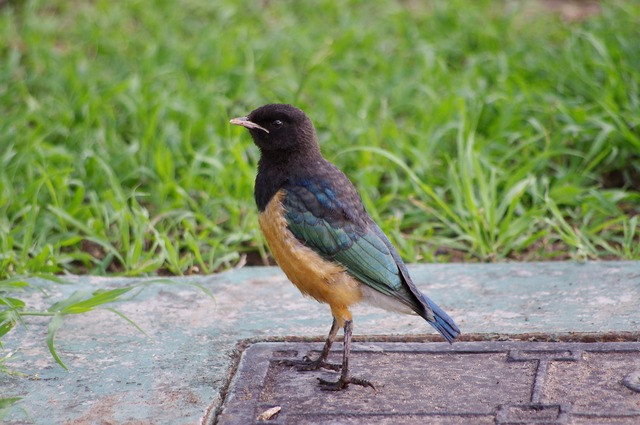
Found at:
<point>468,382</point>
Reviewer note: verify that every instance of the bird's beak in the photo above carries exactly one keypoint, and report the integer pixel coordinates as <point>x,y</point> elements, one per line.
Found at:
<point>244,121</point>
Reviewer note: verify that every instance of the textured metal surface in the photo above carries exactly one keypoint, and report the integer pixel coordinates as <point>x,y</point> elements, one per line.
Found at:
<point>468,382</point>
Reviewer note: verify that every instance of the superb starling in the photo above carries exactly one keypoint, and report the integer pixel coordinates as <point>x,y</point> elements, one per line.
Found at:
<point>321,236</point>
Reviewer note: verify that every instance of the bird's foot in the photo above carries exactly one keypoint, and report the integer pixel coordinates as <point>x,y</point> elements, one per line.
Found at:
<point>306,364</point>
<point>343,383</point>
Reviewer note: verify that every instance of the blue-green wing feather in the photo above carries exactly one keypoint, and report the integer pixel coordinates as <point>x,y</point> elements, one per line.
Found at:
<point>336,226</point>
<point>317,218</point>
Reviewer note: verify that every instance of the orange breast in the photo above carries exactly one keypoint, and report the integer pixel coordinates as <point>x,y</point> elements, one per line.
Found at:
<point>314,276</point>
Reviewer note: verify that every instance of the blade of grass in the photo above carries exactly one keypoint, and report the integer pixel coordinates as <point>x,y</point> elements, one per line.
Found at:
<point>54,326</point>
<point>131,322</point>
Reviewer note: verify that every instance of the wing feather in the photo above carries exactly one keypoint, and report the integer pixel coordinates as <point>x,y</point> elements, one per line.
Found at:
<point>331,220</point>
<point>325,226</point>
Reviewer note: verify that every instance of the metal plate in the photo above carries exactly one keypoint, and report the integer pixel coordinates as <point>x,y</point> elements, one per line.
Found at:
<point>467,382</point>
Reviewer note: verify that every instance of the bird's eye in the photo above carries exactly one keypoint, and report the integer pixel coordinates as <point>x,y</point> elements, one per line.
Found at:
<point>277,124</point>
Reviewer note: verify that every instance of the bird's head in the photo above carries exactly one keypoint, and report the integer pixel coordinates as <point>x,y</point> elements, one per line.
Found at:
<point>279,127</point>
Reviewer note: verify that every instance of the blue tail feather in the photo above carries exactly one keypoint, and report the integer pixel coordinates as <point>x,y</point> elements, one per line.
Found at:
<point>443,323</point>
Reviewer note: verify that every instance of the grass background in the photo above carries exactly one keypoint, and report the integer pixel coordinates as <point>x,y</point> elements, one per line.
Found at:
<point>475,130</point>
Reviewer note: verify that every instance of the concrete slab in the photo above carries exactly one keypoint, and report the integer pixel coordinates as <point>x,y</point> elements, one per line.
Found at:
<point>179,373</point>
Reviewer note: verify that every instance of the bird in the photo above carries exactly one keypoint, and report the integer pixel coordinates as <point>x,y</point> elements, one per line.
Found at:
<point>319,233</point>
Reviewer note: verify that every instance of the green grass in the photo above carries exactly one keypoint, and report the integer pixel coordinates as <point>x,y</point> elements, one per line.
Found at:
<point>480,131</point>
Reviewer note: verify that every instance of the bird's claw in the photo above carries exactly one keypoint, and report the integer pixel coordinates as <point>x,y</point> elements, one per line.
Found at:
<point>343,383</point>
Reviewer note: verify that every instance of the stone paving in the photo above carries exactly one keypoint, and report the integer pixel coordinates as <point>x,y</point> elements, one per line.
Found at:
<point>181,372</point>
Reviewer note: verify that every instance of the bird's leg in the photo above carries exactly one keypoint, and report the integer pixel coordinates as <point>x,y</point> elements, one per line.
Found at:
<point>345,379</point>
<point>321,362</point>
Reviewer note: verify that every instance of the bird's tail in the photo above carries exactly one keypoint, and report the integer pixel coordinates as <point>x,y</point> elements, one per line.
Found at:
<point>443,323</point>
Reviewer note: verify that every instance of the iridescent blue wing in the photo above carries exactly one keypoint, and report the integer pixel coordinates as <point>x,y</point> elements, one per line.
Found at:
<point>331,220</point>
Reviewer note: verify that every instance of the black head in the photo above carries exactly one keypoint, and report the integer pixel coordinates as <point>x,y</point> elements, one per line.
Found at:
<point>280,127</point>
